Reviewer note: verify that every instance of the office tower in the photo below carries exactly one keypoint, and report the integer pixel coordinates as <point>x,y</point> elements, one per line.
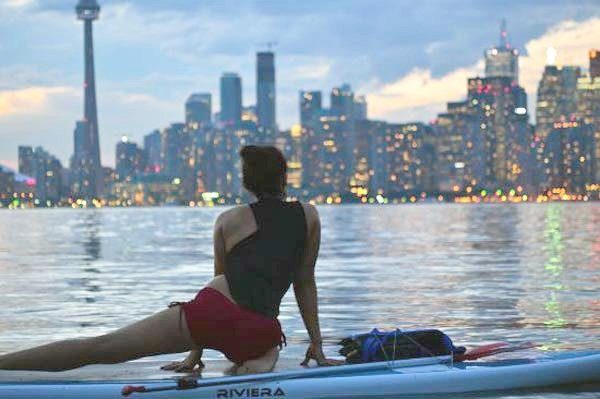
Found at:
<point>265,90</point>
<point>7,186</point>
<point>500,107</point>
<point>178,157</point>
<point>568,156</point>
<point>198,110</point>
<point>128,160</point>
<point>88,11</point>
<point>403,164</point>
<point>588,110</point>
<point>48,174</point>
<point>342,102</point>
<point>459,148</point>
<point>594,63</point>
<point>556,102</point>
<point>153,158</point>
<point>360,108</point>
<point>556,97</point>
<point>231,99</point>
<point>26,160</point>
<point>502,60</point>
<point>310,107</point>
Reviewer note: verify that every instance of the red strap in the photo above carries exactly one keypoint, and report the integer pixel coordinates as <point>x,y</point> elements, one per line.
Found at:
<point>129,389</point>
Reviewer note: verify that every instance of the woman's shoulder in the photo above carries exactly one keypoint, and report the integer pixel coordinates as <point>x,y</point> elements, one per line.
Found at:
<point>310,212</point>
<point>232,214</point>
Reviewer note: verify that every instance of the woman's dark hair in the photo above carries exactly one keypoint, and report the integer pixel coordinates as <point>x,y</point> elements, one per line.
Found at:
<point>264,169</point>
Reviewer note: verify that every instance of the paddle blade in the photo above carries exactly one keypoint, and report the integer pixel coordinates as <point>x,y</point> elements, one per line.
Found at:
<point>492,349</point>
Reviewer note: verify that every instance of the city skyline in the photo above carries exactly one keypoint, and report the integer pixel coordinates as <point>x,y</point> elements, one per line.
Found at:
<point>435,87</point>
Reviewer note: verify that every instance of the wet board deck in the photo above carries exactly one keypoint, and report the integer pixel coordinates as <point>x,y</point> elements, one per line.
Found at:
<point>139,370</point>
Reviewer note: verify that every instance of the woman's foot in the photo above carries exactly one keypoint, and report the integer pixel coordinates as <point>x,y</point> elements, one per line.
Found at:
<point>263,364</point>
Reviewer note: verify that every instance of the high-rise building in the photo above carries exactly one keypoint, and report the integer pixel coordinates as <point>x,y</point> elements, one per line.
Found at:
<point>594,63</point>
<point>500,107</point>
<point>310,107</point>
<point>26,160</point>
<point>502,60</point>
<point>556,102</point>
<point>153,159</point>
<point>265,90</point>
<point>7,186</point>
<point>588,110</point>
<point>459,148</point>
<point>198,110</point>
<point>231,99</point>
<point>48,174</point>
<point>568,156</point>
<point>128,160</point>
<point>342,102</point>
<point>88,11</point>
<point>360,108</point>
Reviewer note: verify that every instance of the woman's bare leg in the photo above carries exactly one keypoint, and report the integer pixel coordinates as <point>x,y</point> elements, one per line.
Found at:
<point>263,364</point>
<point>163,332</point>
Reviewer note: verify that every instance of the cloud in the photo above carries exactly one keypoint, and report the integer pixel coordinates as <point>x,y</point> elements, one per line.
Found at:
<point>31,100</point>
<point>18,3</point>
<point>10,163</point>
<point>420,95</point>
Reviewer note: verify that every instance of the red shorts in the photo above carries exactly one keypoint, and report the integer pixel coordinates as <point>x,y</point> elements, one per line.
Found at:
<point>215,322</point>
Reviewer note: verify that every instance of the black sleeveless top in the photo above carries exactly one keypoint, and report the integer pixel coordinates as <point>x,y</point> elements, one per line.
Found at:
<point>260,268</point>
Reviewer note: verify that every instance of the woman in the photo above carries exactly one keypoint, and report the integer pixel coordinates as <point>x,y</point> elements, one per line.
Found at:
<point>259,251</point>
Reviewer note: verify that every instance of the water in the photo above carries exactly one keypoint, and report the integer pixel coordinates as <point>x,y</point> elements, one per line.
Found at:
<point>482,273</point>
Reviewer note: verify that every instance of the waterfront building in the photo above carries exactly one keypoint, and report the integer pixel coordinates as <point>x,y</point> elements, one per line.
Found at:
<point>48,175</point>
<point>342,102</point>
<point>459,149</point>
<point>360,108</point>
<point>311,107</point>
<point>594,55</point>
<point>198,110</point>
<point>128,160</point>
<point>265,90</point>
<point>502,60</point>
<point>153,159</point>
<point>569,154</point>
<point>556,102</point>
<point>7,186</point>
<point>91,179</point>
<point>327,156</point>
<point>500,106</point>
<point>231,99</point>
<point>178,157</point>
<point>26,160</point>
<point>405,160</point>
<point>588,105</point>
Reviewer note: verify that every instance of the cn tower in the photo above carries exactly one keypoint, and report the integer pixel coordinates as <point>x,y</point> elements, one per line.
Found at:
<point>88,11</point>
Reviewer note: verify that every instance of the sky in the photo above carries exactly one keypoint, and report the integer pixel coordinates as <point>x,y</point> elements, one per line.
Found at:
<point>409,58</point>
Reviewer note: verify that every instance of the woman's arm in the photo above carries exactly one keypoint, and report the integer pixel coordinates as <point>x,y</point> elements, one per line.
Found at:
<point>305,289</point>
<point>219,246</point>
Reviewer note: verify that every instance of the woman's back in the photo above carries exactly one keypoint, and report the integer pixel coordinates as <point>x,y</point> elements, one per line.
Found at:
<point>260,267</point>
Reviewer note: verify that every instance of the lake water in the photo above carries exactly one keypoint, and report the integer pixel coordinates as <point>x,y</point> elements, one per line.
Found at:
<point>482,273</point>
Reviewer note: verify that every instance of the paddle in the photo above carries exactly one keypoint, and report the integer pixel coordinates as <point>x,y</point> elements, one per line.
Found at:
<point>319,371</point>
<point>492,349</point>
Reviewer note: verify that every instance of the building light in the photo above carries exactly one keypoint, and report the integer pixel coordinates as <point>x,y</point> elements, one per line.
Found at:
<point>520,110</point>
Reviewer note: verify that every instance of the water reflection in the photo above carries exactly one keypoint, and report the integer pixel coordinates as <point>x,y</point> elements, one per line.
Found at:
<point>495,278</point>
<point>554,265</point>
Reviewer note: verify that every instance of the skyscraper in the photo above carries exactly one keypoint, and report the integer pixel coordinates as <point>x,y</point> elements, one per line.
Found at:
<point>88,11</point>
<point>594,63</point>
<point>198,110</point>
<point>26,160</point>
<point>231,99</point>
<point>128,160</point>
<point>310,107</point>
<point>342,102</point>
<point>502,60</point>
<point>265,89</point>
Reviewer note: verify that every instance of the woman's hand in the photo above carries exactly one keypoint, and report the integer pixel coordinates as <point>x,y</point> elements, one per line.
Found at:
<point>187,365</point>
<point>315,352</point>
